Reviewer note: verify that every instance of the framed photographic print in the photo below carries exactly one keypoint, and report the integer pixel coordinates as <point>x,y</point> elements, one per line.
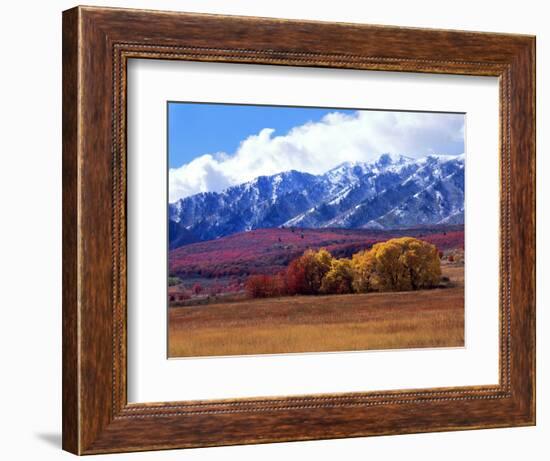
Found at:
<point>266,245</point>
<point>285,230</point>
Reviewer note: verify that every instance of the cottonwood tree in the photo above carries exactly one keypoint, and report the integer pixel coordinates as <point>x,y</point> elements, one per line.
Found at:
<point>363,265</point>
<point>339,279</point>
<point>405,263</point>
<point>305,274</point>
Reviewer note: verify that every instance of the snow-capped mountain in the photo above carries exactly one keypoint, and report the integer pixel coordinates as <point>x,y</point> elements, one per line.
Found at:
<point>392,192</point>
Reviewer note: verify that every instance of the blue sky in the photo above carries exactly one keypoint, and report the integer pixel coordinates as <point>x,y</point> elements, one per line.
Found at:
<point>214,146</point>
<point>195,129</point>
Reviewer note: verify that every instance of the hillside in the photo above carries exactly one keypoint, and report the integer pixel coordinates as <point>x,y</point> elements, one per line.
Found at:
<point>268,251</point>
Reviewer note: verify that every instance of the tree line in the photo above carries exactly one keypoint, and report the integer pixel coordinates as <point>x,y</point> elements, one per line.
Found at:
<point>398,264</point>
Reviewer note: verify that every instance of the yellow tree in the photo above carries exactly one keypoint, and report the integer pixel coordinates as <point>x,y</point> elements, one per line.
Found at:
<point>339,279</point>
<point>313,265</point>
<point>421,260</point>
<point>323,259</point>
<point>405,263</point>
<point>363,264</point>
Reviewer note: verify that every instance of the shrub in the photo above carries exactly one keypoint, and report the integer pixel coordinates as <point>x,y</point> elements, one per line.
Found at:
<point>339,279</point>
<point>215,289</point>
<point>180,295</point>
<point>173,280</point>
<point>264,286</point>
<point>456,256</point>
<point>197,289</point>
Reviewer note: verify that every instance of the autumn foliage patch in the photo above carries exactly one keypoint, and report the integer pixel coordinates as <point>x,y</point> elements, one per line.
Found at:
<point>265,286</point>
<point>270,251</point>
<point>399,264</point>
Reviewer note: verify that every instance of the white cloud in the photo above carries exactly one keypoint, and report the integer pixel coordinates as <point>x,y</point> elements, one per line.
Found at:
<point>317,147</point>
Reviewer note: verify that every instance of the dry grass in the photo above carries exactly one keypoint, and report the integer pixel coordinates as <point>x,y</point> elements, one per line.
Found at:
<point>427,318</point>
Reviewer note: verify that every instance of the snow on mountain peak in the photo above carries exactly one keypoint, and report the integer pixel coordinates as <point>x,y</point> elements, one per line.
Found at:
<point>389,192</point>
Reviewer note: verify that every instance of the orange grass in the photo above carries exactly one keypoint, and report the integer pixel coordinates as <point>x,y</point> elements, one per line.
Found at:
<point>414,319</point>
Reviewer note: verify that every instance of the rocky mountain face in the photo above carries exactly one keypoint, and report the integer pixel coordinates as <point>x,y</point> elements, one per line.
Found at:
<point>392,192</point>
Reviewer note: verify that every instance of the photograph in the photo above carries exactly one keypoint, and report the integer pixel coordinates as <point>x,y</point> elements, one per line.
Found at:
<point>276,225</point>
<point>306,229</point>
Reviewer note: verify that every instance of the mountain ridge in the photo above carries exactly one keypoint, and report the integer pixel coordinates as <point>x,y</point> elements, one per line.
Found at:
<point>393,191</point>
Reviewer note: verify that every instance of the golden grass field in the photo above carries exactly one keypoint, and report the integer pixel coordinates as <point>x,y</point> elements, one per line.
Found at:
<point>413,319</point>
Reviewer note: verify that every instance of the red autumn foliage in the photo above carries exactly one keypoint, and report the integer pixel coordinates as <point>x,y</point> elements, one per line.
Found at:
<point>270,251</point>
<point>295,277</point>
<point>227,265</point>
<point>180,295</point>
<point>265,286</point>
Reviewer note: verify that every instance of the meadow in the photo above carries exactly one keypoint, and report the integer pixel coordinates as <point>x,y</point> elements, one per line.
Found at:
<point>351,322</point>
